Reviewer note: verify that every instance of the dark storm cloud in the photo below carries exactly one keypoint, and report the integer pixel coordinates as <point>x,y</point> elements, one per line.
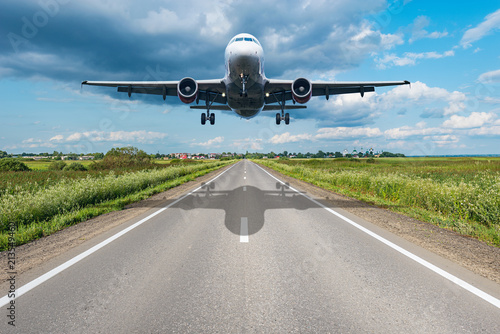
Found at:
<point>72,41</point>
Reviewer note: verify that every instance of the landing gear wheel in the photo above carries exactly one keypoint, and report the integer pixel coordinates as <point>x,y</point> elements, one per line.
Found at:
<point>212,119</point>
<point>203,119</point>
<point>278,119</point>
<point>287,118</point>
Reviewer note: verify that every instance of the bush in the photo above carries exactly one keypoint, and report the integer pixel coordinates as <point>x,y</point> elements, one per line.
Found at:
<point>13,165</point>
<point>370,161</point>
<point>76,166</point>
<point>57,165</point>
<point>124,157</point>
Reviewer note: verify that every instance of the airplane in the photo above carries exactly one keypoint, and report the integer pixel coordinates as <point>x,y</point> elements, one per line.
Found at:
<point>244,88</point>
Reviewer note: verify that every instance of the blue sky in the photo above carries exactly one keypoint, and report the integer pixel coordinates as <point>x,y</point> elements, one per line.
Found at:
<point>449,51</point>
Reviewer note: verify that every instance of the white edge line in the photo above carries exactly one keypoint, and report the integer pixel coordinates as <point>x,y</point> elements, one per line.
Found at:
<point>481,294</point>
<point>37,281</point>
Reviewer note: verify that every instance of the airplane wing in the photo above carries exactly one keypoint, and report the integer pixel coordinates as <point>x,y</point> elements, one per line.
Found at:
<point>282,89</point>
<point>166,88</point>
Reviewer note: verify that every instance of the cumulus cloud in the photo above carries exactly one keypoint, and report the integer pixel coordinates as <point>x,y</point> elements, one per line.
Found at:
<point>474,120</point>
<point>419,32</point>
<point>345,132</point>
<point>288,138</point>
<point>409,58</point>
<point>248,144</point>
<point>210,143</point>
<point>491,23</point>
<point>113,136</point>
<point>421,94</point>
<point>490,77</point>
<point>486,131</point>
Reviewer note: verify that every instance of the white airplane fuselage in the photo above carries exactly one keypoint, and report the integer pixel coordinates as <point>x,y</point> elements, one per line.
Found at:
<point>245,79</point>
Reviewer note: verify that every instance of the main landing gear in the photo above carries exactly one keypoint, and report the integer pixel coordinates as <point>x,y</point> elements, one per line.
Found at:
<point>208,116</point>
<point>282,116</point>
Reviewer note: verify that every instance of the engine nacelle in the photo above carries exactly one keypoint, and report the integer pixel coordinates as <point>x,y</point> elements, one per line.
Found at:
<point>187,90</point>
<point>301,90</point>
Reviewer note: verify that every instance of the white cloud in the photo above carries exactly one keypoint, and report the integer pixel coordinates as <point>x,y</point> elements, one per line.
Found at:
<point>490,77</point>
<point>210,143</point>
<point>162,21</point>
<point>421,94</point>
<point>345,132</point>
<point>418,31</point>
<point>409,131</point>
<point>474,120</point>
<point>248,144</point>
<point>409,58</point>
<point>486,131</point>
<point>490,23</point>
<point>57,138</point>
<point>114,136</point>
<point>443,140</point>
<point>288,138</point>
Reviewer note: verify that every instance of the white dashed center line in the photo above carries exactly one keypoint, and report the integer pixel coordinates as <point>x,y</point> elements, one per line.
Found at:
<point>244,229</point>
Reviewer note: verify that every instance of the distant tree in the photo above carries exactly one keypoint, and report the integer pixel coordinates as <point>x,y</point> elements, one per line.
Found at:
<point>338,155</point>
<point>13,165</point>
<point>98,156</point>
<point>57,165</point>
<point>392,155</point>
<point>320,154</point>
<point>3,154</point>
<point>75,166</point>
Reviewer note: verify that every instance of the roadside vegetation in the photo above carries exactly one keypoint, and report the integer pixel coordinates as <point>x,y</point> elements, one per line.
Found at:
<point>460,194</point>
<point>42,202</point>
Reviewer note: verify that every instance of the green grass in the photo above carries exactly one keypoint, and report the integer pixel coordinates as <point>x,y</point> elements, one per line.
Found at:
<point>44,165</point>
<point>460,194</point>
<point>41,210</point>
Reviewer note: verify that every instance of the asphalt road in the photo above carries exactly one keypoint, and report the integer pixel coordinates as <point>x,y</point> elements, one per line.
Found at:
<point>246,254</point>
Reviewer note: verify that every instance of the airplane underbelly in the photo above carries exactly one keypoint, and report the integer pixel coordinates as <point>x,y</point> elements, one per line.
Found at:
<point>245,106</point>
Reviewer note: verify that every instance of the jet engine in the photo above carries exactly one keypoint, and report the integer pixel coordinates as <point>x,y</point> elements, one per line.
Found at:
<point>187,90</point>
<point>301,90</point>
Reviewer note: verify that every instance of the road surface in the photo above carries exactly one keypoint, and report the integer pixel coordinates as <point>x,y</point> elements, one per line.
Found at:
<point>247,254</point>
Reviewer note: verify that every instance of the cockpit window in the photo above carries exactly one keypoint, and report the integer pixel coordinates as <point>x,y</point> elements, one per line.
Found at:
<point>246,39</point>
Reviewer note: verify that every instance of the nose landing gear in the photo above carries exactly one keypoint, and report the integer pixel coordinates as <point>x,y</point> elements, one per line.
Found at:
<point>244,81</point>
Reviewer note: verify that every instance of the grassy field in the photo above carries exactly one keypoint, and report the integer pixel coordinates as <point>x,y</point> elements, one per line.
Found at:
<point>40,202</point>
<point>461,194</point>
